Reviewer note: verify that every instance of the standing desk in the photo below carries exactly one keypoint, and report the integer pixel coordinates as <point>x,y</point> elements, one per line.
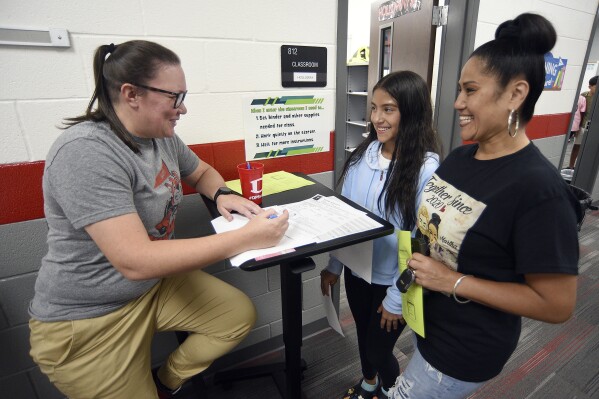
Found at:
<point>288,374</point>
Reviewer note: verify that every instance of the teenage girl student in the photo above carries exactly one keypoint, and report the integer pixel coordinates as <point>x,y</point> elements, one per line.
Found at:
<point>506,236</point>
<point>386,174</point>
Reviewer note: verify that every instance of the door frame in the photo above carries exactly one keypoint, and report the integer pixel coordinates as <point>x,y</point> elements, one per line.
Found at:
<point>586,168</point>
<point>457,43</point>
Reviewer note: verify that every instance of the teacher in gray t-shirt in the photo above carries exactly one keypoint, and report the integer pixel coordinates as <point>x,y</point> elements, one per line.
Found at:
<point>114,274</point>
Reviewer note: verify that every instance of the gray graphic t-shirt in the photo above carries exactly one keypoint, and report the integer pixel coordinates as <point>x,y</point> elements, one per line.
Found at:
<point>91,175</point>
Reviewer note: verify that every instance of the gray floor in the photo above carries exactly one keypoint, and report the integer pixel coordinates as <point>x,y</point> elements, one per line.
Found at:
<point>552,361</point>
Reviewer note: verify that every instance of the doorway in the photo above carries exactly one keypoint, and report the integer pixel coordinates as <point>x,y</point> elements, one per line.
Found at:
<point>579,162</point>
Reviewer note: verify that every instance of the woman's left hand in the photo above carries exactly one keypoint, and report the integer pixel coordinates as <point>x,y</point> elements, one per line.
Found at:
<point>231,202</point>
<point>432,274</point>
<point>390,320</point>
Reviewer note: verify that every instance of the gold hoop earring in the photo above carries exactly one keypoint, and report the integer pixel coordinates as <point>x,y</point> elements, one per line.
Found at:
<point>510,119</point>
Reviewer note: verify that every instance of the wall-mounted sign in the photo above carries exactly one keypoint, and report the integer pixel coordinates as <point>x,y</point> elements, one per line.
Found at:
<point>288,125</point>
<point>303,66</point>
<point>555,69</point>
<point>397,8</point>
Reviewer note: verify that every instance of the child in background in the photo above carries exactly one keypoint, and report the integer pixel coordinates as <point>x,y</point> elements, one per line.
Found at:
<point>580,110</point>
<point>588,97</point>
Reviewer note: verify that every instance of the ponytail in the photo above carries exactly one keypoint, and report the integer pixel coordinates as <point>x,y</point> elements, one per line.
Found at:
<point>132,61</point>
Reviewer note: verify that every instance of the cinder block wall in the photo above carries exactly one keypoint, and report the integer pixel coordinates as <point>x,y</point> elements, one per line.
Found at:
<point>573,22</point>
<point>228,50</point>
<point>22,245</point>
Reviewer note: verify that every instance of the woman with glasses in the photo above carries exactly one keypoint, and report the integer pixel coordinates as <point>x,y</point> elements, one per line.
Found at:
<point>114,274</point>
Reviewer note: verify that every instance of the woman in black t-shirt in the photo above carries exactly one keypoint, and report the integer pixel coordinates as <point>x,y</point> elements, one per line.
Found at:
<point>504,241</point>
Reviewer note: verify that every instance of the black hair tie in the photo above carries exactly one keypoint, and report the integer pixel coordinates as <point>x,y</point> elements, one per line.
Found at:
<point>111,48</point>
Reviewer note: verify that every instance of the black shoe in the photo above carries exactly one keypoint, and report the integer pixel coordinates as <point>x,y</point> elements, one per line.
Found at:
<point>357,392</point>
<point>163,391</point>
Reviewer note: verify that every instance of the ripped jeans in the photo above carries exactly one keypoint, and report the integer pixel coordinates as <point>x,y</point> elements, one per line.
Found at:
<point>420,380</point>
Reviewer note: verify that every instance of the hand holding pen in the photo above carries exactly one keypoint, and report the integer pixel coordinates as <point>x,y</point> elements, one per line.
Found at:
<point>268,228</point>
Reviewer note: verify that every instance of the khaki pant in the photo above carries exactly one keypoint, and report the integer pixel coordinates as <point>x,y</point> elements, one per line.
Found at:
<point>109,356</point>
<point>579,135</point>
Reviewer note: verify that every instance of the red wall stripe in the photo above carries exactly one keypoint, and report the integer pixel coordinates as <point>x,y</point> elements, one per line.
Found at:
<point>558,125</point>
<point>544,126</point>
<point>22,198</point>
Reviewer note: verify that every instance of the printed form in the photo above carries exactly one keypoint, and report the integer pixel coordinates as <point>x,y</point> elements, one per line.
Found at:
<point>314,220</point>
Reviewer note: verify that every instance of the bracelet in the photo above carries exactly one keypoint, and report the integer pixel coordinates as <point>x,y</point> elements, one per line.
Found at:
<point>455,287</point>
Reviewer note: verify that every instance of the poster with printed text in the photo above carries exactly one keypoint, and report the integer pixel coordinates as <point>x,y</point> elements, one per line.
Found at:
<point>287,125</point>
<point>555,70</point>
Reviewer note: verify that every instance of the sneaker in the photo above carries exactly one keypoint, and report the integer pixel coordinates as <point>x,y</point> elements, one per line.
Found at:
<point>393,393</point>
<point>163,391</point>
<point>357,392</point>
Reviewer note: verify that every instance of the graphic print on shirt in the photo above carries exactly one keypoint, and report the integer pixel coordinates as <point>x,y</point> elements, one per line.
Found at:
<point>171,181</point>
<point>445,215</point>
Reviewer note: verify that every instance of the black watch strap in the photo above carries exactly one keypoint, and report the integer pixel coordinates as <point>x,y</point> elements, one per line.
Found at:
<point>223,191</point>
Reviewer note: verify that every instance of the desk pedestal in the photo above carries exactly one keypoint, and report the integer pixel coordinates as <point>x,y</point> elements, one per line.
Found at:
<point>287,375</point>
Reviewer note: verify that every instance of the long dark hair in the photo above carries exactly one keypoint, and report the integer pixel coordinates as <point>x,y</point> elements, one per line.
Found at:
<point>518,52</point>
<point>415,138</point>
<point>133,61</point>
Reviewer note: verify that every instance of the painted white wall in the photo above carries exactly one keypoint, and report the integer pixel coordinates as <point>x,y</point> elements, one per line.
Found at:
<point>358,25</point>
<point>573,21</point>
<point>228,50</point>
<point>358,33</point>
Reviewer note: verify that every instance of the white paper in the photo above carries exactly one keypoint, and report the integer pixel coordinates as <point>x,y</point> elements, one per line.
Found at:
<point>313,220</point>
<point>358,258</point>
<point>221,224</point>
<point>286,245</point>
<point>332,317</point>
<point>326,218</point>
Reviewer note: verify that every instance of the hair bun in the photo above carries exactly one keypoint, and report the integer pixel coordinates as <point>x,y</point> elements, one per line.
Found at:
<point>530,33</point>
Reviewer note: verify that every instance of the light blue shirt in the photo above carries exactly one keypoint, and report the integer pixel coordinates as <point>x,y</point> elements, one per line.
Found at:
<point>363,185</point>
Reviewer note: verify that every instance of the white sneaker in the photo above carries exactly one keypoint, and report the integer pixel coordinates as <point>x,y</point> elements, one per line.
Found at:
<point>393,391</point>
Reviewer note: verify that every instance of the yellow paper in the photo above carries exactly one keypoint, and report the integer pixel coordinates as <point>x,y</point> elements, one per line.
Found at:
<point>412,305</point>
<point>274,183</point>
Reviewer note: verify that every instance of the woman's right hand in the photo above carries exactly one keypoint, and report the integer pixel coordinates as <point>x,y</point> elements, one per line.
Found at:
<point>266,231</point>
<point>432,274</point>
<point>327,279</point>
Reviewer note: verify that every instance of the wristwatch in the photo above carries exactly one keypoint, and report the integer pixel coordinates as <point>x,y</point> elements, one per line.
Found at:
<point>224,191</point>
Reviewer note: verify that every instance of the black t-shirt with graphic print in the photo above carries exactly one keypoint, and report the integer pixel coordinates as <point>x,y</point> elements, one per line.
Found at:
<point>498,220</point>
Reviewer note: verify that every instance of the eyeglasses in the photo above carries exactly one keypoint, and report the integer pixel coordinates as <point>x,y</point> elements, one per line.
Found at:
<point>179,97</point>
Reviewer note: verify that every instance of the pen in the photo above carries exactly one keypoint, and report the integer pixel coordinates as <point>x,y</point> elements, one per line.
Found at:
<point>247,165</point>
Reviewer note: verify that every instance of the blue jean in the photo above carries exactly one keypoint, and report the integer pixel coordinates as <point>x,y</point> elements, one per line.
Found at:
<point>420,380</point>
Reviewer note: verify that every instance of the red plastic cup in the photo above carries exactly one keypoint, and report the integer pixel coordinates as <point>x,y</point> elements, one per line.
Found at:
<point>251,180</point>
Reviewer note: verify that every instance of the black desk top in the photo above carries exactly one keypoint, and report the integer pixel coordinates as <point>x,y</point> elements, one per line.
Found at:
<point>300,194</point>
